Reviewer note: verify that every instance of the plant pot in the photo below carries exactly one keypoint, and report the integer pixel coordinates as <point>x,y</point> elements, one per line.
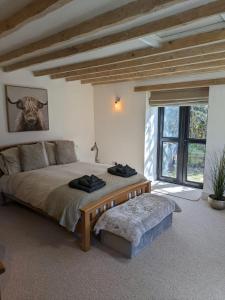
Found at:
<point>217,204</point>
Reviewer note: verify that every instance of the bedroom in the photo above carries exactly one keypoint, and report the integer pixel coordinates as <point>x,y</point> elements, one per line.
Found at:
<point>103,69</point>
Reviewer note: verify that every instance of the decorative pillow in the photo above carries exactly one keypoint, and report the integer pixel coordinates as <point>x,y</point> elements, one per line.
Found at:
<point>50,149</point>
<point>10,161</point>
<point>65,152</point>
<point>32,157</point>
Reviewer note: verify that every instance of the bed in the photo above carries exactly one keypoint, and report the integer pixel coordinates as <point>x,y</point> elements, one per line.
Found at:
<point>46,191</point>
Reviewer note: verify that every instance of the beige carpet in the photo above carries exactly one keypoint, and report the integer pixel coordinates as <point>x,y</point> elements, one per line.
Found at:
<point>43,262</point>
<point>177,191</point>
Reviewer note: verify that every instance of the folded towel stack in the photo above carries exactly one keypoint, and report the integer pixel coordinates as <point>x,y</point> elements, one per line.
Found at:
<point>87,183</point>
<point>123,171</point>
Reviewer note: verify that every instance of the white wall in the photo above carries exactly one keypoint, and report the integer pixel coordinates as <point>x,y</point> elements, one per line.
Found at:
<point>71,113</point>
<point>120,135</point>
<point>151,142</point>
<point>216,129</point>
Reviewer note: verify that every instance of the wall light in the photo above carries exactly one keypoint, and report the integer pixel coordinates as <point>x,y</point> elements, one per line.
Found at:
<point>117,105</point>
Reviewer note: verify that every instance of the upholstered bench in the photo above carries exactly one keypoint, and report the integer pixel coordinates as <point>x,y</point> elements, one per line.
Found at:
<point>129,227</point>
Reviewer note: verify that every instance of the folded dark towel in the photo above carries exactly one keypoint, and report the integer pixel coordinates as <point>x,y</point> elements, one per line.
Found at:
<point>123,171</point>
<point>87,183</point>
<point>75,185</point>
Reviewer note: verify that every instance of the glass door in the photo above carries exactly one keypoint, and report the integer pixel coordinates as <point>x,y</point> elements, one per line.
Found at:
<point>181,144</point>
<point>195,144</point>
<point>169,119</point>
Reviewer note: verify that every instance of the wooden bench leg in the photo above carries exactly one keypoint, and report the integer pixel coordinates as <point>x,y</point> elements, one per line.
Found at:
<point>85,232</point>
<point>148,188</point>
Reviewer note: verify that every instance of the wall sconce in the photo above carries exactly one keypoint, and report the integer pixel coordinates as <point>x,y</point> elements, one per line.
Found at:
<point>118,105</point>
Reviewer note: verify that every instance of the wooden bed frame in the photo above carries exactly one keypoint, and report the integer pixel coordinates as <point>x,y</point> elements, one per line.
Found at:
<point>91,212</point>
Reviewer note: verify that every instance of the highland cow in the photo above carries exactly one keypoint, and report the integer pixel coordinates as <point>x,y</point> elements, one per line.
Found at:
<point>31,115</point>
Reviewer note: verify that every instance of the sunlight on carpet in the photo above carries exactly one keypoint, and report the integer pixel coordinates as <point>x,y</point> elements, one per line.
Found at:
<point>175,190</point>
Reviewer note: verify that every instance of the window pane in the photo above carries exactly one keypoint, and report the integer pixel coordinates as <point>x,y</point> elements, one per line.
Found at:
<point>169,163</point>
<point>196,162</point>
<point>171,121</point>
<point>198,121</point>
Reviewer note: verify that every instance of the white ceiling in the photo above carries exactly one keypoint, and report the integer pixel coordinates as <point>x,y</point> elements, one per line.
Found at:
<point>79,10</point>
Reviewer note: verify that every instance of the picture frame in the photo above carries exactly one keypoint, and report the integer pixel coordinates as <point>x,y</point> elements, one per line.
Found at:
<point>27,108</point>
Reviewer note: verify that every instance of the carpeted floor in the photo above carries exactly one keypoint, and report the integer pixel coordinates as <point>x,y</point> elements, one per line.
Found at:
<point>177,191</point>
<point>44,263</point>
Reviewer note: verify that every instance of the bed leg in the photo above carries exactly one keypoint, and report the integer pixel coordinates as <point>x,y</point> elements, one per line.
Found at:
<point>85,234</point>
<point>148,188</point>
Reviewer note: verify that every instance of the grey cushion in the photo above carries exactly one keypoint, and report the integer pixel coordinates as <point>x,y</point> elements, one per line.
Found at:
<point>65,152</point>
<point>32,157</point>
<point>10,161</point>
<point>50,149</point>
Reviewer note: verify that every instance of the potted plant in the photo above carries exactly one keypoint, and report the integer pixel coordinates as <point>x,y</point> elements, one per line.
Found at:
<point>217,199</point>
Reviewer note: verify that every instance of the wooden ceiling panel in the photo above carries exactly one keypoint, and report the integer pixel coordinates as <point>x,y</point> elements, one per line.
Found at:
<point>139,31</point>
<point>151,74</point>
<point>195,54</point>
<point>149,55</point>
<point>114,17</point>
<point>159,76</point>
<point>190,63</point>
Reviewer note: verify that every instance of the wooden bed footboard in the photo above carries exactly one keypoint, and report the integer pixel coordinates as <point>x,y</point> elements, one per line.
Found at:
<point>91,212</point>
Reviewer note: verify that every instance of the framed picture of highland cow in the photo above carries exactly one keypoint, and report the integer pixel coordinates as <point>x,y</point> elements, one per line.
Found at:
<point>27,108</point>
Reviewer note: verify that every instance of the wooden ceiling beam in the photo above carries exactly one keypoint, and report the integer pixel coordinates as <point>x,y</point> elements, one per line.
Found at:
<point>180,85</point>
<point>152,73</point>
<point>114,17</point>
<point>29,13</point>
<point>136,32</point>
<point>159,76</point>
<point>185,62</point>
<point>147,55</point>
<point>155,61</point>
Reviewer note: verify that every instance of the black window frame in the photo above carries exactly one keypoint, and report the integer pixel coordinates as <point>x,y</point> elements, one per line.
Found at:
<point>183,141</point>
